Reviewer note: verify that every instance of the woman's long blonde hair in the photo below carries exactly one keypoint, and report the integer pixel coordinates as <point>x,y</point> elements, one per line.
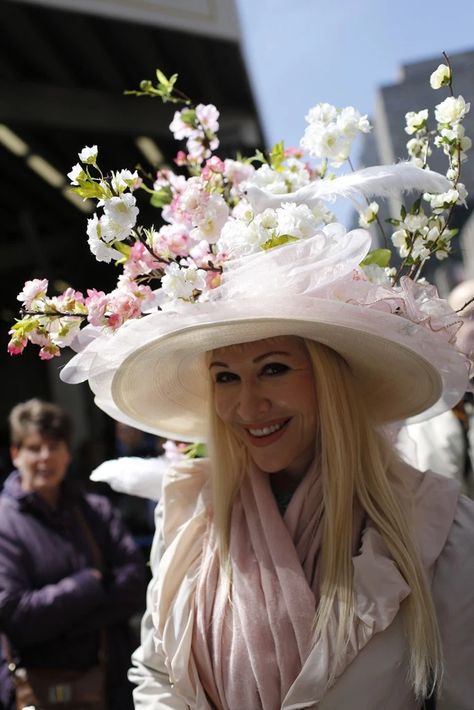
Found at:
<point>357,464</point>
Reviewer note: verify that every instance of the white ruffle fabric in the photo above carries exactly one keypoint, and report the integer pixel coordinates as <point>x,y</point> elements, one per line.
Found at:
<point>399,342</point>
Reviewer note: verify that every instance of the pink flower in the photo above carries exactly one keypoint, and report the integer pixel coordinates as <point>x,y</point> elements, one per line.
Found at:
<point>293,152</point>
<point>213,279</point>
<point>140,261</point>
<point>69,302</point>
<point>16,345</point>
<point>49,351</point>
<point>32,290</point>
<point>213,165</point>
<point>123,305</point>
<point>172,240</point>
<point>236,172</point>
<point>96,303</point>
<point>201,253</point>
<point>181,158</point>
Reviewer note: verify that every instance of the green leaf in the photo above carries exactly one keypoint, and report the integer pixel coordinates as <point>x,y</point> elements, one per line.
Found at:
<point>403,212</point>
<point>189,116</point>
<point>380,257</point>
<point>162,197</point>
<point>124,249</point>
<point>161,77</point>
<point>196,451</point>
<point>278,241</point>
<point>277,155</point>
<point>393,222</point>
<point>90,190</point>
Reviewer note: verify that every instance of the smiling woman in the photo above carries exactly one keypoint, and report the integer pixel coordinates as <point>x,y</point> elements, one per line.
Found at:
<point>70,577</point>
<point>302,564</point>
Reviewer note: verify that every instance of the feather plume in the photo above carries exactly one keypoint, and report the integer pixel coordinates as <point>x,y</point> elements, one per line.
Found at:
<point>376,181</point>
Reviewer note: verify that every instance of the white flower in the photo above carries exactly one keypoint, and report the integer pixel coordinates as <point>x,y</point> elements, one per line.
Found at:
<point>377,274</point>
<point>440,77</point>
<point>415,120</point>
<point>120,217</point>
<point>32,290</point>
<point>270,180</point>
<point>444,199</point>
<point>296,220</point>
<point>415,222</point>
<point>62,331</point>
<point>208,117</point>
<point>451,110</point>
<point>236,171</point>
<point>462,194</point>
<point>123,179</point>
<point>181,282</point>
<point>321,214</point>
<point>350,121</point>
<point>295,174</point>
<point>327,142</point>
<point>243,210</point>
<point>419,249</point>
<point>88,155</point>
<point>399,240</point>
<point>321,113</point>
<point>239,238</point>
<point>77,173</point>
<point>369,215</point>
<point>331,132</point>
<point>101,251</point>
<point>179,128</point>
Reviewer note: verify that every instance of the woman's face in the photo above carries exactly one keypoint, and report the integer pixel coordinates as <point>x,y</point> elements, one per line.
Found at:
<point>42,463</point>
<point>265,392</point>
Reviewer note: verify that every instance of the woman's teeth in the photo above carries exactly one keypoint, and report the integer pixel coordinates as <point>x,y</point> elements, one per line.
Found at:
<point>265,431</point>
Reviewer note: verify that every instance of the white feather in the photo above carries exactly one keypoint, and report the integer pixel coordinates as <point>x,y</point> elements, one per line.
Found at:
<point>376,181</point>
<point>133,475</point>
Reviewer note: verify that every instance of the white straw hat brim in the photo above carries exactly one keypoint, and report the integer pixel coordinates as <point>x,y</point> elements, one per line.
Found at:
<point>163,385</point>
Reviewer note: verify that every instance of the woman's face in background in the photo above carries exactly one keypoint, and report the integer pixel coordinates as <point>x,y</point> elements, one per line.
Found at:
<point>42,463</point>
<point>265,392</point>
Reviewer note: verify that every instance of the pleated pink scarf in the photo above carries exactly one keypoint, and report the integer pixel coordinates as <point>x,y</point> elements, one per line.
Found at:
<point>249,649</point>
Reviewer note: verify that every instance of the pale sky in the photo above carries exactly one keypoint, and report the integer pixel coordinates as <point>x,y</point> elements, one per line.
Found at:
<point>300,52</point>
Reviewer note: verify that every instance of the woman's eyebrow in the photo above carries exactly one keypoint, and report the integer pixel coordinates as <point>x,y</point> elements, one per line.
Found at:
<point>271,354</point>
<point>216,363</point>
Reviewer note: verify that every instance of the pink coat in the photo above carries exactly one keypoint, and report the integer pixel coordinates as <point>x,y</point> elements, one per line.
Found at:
<point>377,678</point>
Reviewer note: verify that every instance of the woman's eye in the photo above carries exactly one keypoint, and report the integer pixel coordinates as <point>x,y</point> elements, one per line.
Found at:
<point>225,377</point>
<point>275,368</point>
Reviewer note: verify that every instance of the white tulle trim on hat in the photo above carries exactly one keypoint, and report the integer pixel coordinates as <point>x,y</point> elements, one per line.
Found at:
<point>399,342</point>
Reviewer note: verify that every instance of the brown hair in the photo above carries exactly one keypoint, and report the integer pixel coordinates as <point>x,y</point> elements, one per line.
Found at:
<point>35,415</point>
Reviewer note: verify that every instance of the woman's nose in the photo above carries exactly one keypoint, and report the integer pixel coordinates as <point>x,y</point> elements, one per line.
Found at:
<point>44,453</point>
<point>253,402</point>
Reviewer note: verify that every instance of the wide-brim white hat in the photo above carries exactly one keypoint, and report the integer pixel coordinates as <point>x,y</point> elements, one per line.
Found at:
<point>153,373</point>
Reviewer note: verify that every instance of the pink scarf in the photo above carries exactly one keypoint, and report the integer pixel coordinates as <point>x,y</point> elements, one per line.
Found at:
<point>249,649</point>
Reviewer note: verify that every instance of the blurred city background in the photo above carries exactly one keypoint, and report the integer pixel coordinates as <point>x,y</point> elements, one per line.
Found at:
<point>64,65</point>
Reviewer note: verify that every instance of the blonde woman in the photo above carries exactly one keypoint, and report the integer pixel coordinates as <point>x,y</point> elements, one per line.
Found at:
<point>303,564</point>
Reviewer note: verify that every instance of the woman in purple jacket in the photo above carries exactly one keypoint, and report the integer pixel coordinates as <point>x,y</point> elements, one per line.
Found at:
<point>59,590</point>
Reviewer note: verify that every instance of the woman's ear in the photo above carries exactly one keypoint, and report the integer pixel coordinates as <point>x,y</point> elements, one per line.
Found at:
<point>14,450</point>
